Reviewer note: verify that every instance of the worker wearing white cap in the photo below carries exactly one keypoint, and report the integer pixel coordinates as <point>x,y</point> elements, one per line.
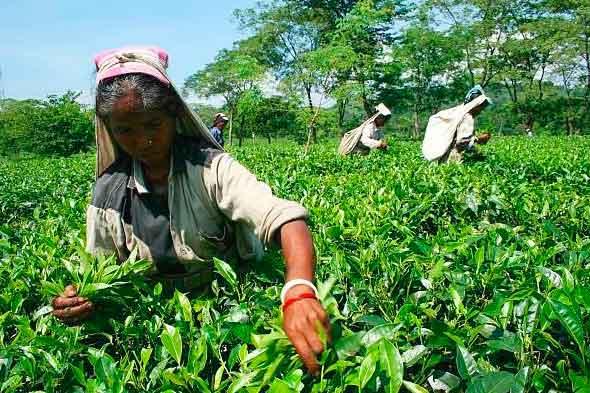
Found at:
<point>219,122</point>
<point>367,136</point>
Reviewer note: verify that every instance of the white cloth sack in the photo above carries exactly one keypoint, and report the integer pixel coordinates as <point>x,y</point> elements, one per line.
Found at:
<point>442,128</point>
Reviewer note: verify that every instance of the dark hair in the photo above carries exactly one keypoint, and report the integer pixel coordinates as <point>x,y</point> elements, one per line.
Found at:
<point>154,94</point>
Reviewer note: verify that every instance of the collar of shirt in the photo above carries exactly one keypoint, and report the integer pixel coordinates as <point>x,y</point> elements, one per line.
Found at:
<point>137,179</point>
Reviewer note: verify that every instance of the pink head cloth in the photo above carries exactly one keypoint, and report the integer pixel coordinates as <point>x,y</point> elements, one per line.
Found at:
<point>116,68</point>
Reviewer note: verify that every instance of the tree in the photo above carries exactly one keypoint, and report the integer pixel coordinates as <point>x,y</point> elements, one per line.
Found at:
<point>426,59</point>
<point>478,28</point>
<point>286,32</point>
<point>231,75</point>
<point>574,20</point>
<point>58,125</point>
<point>366,31</point>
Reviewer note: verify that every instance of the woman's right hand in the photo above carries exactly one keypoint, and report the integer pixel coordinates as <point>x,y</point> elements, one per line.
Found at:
<point>70,308</point>
<point>483,138</point>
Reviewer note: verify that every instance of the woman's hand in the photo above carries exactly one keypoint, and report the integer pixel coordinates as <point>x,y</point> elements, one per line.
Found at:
<point>483,138</point>
<point>70,308</point>
<point>302,321</point>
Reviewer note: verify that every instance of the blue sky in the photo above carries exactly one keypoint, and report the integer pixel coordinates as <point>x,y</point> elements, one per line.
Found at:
<point>46,46</point>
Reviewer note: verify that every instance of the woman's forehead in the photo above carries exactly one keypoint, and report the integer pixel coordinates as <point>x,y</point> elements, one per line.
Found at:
<point>128,114</point>
<point>132,104</point>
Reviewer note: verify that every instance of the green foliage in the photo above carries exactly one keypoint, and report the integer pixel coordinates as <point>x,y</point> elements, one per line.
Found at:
<point>97,278</point>
<point>468,278</point>
<point>231,75</point>
<point>56,126</point>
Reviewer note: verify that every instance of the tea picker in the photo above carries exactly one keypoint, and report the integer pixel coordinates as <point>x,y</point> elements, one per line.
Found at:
<point>368,136</point>
<point>451,132</point>
<point>166,190</point>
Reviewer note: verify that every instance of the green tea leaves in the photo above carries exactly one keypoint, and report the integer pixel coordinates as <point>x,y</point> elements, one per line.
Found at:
<point>466,365</point>
<point>226,271</point>
<point>172,341</point>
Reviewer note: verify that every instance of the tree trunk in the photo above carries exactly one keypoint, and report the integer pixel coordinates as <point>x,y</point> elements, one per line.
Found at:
<point>510,86</point>
<point>231,123</point>
<point>341,104</point>
<point>587,61</point>
<point>312,136</point>
<point>416,123</point>
<point>241,132</point>
<point>530,122</point>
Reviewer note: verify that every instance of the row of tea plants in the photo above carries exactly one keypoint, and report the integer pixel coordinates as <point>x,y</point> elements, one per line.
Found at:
<point>468,278</point>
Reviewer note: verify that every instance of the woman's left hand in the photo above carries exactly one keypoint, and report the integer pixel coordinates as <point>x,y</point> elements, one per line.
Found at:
<point>301,321</point>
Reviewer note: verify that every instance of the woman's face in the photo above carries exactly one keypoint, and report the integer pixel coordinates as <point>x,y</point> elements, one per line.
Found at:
<point>380,121</point>
<point>146,136</point>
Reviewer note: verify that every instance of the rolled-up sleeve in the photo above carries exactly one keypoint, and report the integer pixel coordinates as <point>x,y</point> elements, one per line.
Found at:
<point>244,199</point>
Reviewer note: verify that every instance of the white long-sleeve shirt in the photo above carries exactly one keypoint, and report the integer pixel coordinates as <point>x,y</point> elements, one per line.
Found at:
<point>372,136</point>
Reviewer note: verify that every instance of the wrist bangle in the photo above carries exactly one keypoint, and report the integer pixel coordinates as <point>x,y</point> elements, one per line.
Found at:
<point>292,300</point>
<point>293,283</point>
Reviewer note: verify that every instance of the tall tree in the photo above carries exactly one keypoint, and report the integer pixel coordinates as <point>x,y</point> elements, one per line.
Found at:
<point>427,60</point>
<point>574,16</point>
<point>478,28</point>
<point>231,75</point>
<point>367,31</point>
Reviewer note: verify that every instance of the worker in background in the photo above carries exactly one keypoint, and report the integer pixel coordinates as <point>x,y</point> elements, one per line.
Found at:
<point>368,136</point>
<point>219,122</point>
<point>451,133</point>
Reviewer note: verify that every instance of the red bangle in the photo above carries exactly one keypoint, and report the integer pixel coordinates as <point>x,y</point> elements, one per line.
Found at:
<point>292,300</point>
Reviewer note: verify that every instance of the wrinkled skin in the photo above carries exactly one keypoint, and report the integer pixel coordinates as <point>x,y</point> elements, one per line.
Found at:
<point>133,128</point>
<point>70,308</point>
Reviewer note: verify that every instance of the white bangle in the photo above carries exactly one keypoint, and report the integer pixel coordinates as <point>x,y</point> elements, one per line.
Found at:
<point>293,283</point>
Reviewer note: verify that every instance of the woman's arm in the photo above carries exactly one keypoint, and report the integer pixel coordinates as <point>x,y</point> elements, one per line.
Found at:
<point>302,319</point>
<point>242,198</point>
<point>367,138</point>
